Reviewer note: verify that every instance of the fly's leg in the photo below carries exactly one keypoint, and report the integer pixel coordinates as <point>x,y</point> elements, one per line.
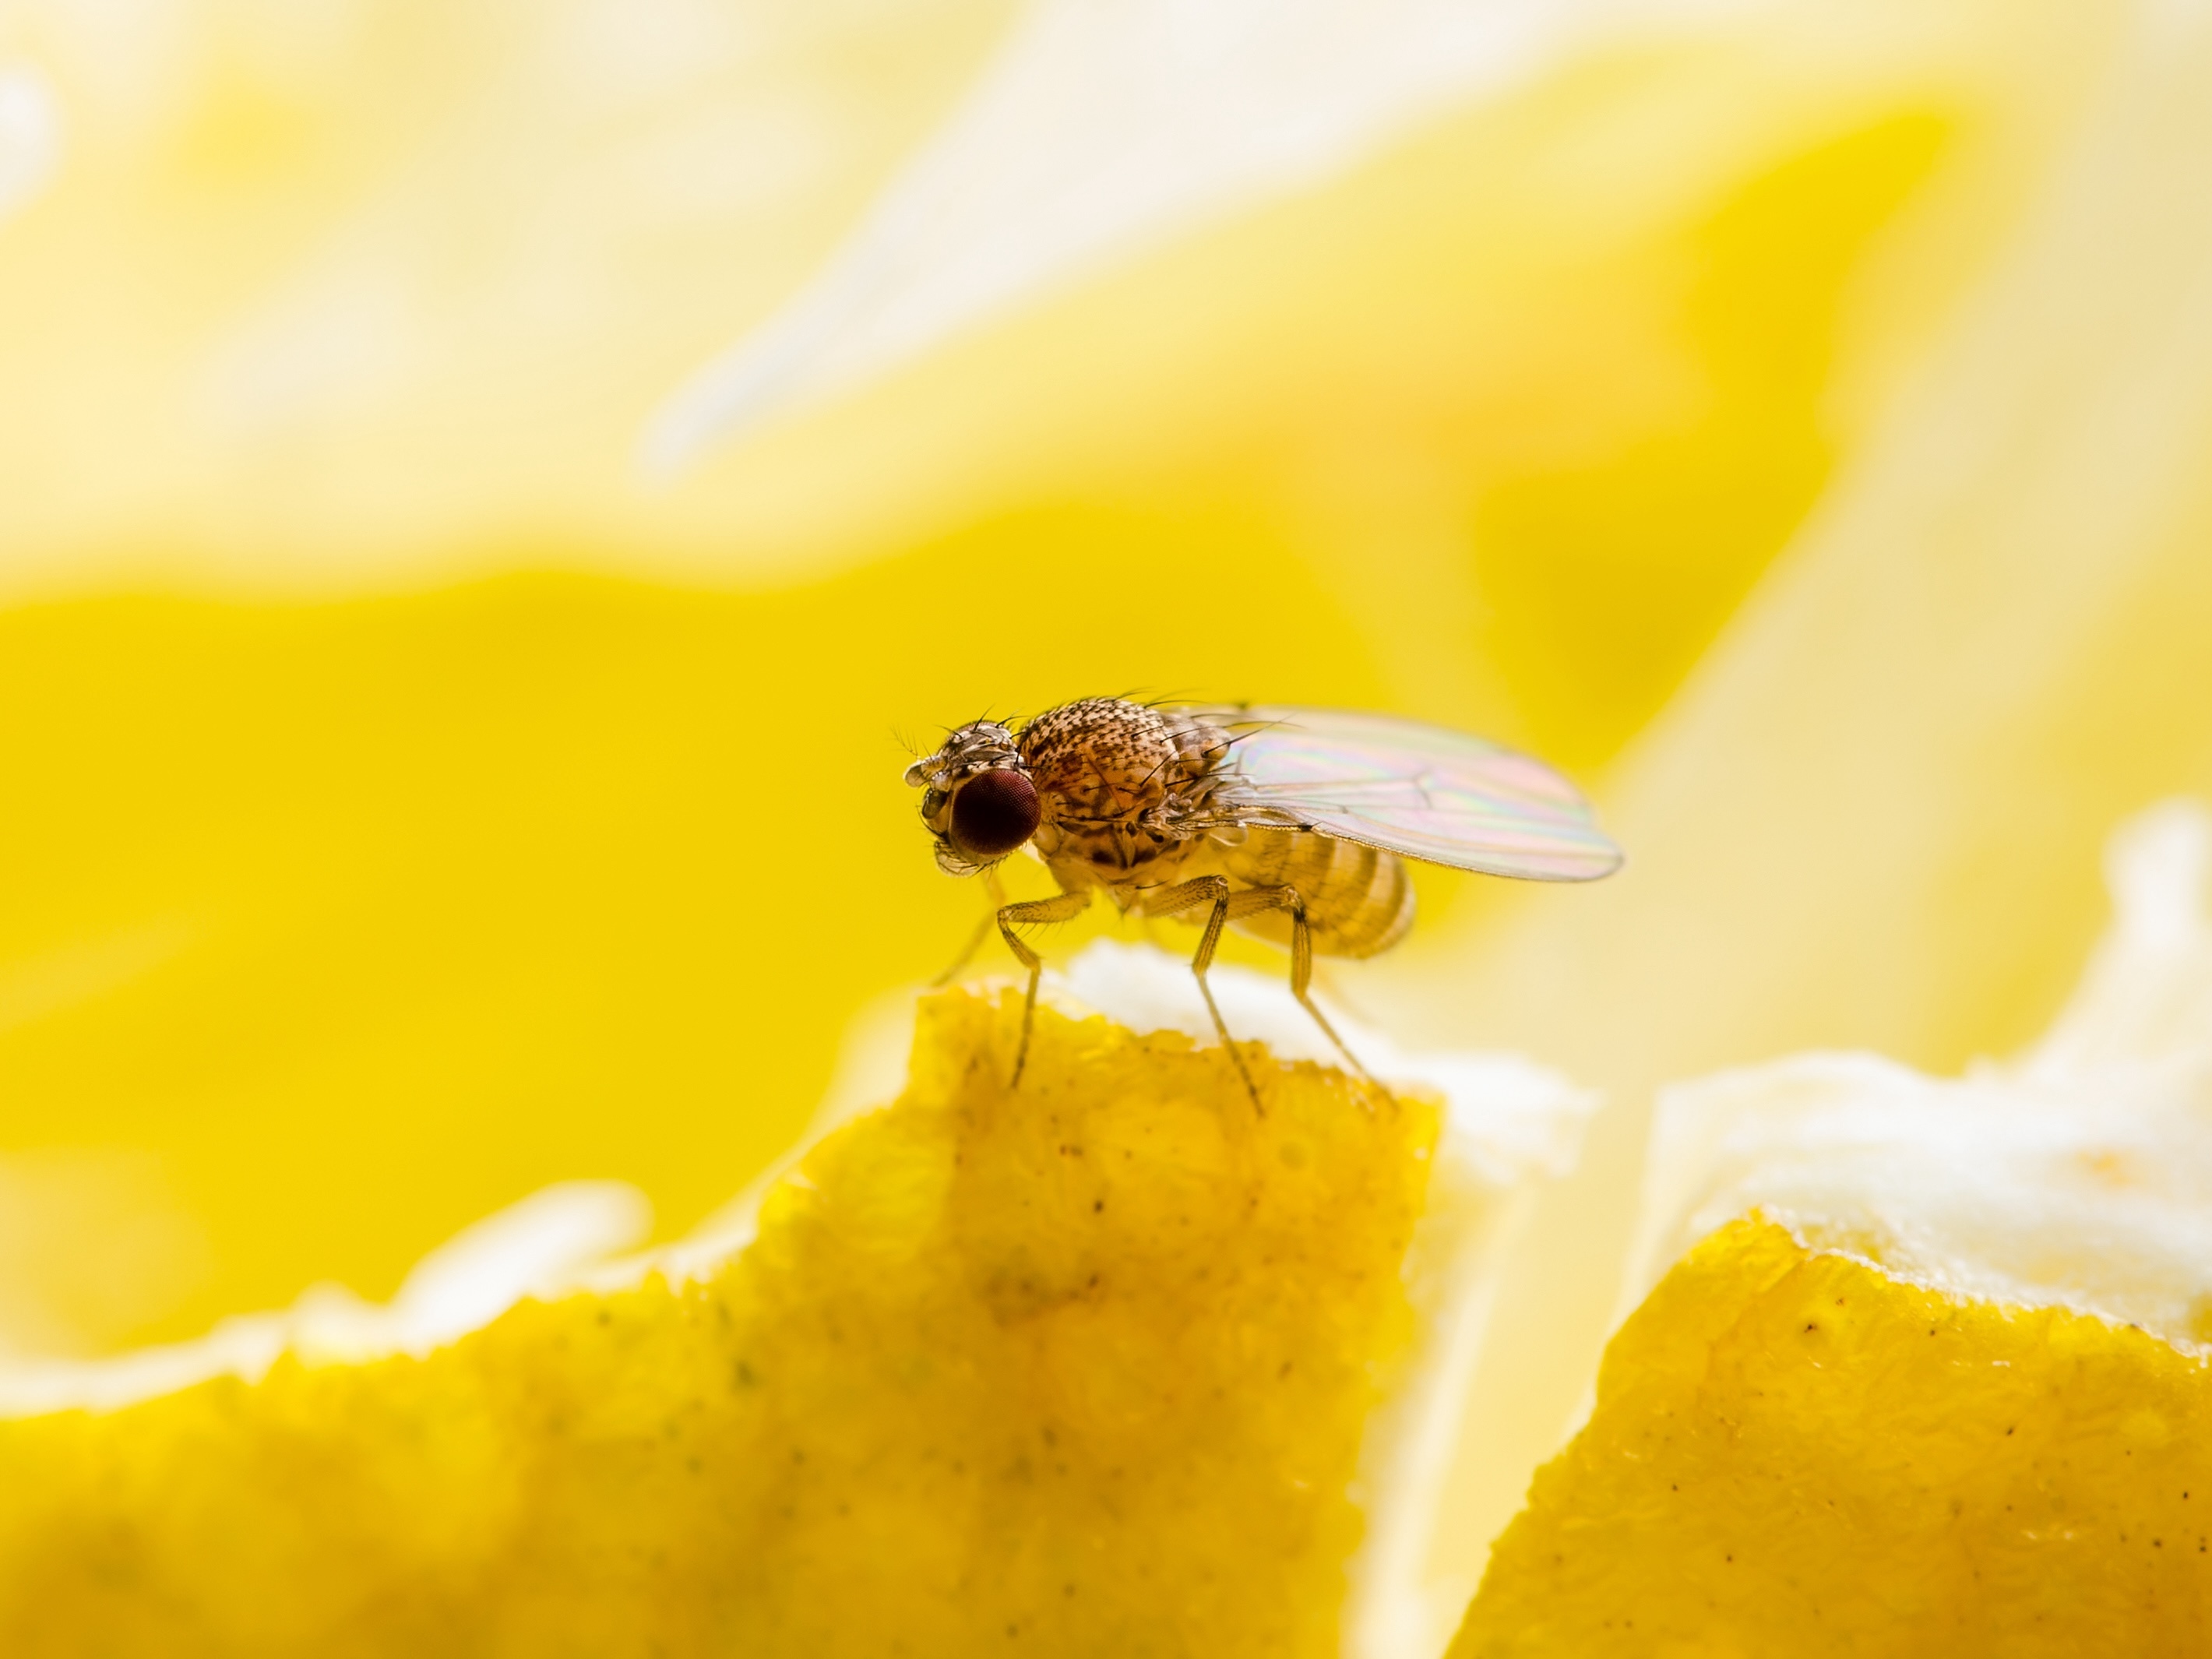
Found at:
<point>1187,895</point>
<point>997,892</point>
<point>1301,980</point>
<point>1060,906</point>
<point>1252,899</point>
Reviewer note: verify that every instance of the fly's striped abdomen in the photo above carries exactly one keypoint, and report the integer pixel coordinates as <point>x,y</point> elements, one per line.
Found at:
<point>1358,901</point>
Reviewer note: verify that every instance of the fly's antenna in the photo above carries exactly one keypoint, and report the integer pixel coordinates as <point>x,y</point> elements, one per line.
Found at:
<point>904,740</point>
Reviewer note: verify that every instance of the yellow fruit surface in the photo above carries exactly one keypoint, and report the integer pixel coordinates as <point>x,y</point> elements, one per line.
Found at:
<point>1795,1454</point>
<point>1080,1368</point>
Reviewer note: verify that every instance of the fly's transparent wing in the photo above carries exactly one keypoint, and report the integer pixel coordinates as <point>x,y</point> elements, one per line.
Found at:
<point>1431,794</point>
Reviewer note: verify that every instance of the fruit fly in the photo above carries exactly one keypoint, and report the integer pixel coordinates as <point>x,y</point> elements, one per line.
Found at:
<point>1292,824</point>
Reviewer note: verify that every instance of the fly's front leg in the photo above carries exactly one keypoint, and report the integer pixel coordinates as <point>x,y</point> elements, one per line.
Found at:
<point>996,890</point>
<point>1187,895</point>
<point>1060,906</point>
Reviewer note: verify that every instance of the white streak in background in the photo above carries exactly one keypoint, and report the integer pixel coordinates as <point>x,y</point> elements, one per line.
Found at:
<point>30,136</point>
<point>2078,1176</point>
<point>1105,127</point>
<point>70,976</point>
<point>539,1247</point>
<point>2144,1005</point>
<point>534,1248</point>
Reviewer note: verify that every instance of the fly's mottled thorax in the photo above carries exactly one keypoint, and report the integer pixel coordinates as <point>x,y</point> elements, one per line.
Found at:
<point>1125,789</point>
<point>1105,759</point>
<point>1098,759</point>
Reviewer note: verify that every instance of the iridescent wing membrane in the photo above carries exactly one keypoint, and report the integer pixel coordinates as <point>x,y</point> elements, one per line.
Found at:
<point>1431,794</point>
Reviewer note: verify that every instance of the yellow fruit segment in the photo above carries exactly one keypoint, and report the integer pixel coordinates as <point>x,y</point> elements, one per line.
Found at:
<point>1080,1368</point>
<point>1794,1453</point>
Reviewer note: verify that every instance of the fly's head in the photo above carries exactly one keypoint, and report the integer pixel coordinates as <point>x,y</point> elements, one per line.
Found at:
<point>977,799</point>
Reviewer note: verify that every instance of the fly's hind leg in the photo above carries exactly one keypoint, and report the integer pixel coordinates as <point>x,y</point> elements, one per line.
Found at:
<point>1301,980</point>
<point>1060,906</point>
<point>1252,899</point>
<point>1187,895</point>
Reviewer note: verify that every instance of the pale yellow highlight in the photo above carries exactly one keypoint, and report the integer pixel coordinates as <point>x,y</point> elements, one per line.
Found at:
<point>463,866</point>
<point>1871,818</point>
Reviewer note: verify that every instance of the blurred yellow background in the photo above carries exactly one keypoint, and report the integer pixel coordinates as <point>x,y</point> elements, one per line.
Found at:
<point>407,799</point>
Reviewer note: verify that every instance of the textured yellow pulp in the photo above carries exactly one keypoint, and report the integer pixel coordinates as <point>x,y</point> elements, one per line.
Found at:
<point>1793,1453</point>
<point>1078,1368</point>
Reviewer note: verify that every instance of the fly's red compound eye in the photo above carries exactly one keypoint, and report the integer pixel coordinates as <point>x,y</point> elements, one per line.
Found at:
<point>993,813</point>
